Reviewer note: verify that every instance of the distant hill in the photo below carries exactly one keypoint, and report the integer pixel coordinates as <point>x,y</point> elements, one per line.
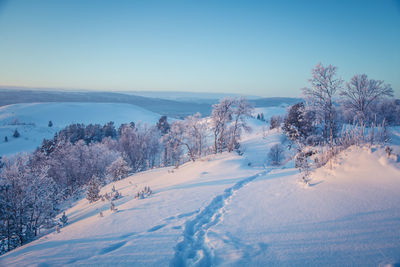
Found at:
<point>275,101</point>
<point>176,104</point>
<point>171,108</point>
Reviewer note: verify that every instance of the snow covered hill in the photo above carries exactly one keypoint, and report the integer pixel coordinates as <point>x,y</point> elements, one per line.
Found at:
<point>233,210</point>
<point>31,120</point>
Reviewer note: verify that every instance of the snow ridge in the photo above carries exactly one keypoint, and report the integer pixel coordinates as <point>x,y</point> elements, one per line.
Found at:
<point>193,249</point>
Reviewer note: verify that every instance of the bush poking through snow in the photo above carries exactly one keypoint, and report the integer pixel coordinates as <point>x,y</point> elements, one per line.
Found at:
<point>275,122</point>
<point>112,207</point>
<point>275,154</point>
<point>144,193</point>
<point>388,151</point>
<point>115,194</point>
<point>301,162</point>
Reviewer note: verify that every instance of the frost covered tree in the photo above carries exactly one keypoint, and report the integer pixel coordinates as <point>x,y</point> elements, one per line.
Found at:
<point>93,190</point>
<point>320,98</point>
<point>140,145</point>
<point>118,169</point>
<point>194,135</point>
<point>27,200</point>
<point>172,142</point>
<point>221,115</point>
<point>242,110</point>
<point>361,93</point>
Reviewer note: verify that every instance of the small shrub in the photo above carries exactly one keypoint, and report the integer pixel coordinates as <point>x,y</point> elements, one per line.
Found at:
<point>388,151</point>
<point>112,207</point>
<point>144,193</point>
<point>275,122</point>
<point>64,220</point>
<point>275,154</point>
<point>301,162</point>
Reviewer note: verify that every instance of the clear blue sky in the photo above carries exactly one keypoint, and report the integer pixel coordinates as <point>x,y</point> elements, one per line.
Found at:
<point>264,48</point>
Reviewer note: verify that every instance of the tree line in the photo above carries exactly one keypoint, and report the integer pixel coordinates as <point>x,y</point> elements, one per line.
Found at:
<point>33,185</point>
<point>336,115</point>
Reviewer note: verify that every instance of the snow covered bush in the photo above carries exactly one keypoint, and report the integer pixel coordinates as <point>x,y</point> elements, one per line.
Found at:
<point>146,192</point>
<point>115,194</point>
<point>275,122</point>
<point>301,162</point>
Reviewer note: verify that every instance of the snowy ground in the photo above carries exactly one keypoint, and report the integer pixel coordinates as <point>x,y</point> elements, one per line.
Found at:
<point>31,120</point>
<point>232,210</point>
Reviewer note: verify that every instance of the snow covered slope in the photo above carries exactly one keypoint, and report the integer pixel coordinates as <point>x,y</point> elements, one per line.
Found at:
<point>31,120</point>
<point>232,210</point>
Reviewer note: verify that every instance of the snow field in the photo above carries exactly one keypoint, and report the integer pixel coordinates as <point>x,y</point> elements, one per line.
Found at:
<point>231,210</point>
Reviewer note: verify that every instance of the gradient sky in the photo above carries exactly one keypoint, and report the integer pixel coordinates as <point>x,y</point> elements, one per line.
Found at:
<point>264,48</point>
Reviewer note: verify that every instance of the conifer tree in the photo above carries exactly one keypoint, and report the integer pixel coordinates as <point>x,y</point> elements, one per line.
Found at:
<point>93,190</point>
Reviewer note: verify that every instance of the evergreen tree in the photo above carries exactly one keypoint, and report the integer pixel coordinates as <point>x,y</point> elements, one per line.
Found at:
<point>163,125</point>
<point>93,190</point>
<point>16,134</point>
<point>64,220</point>
<point>298,124</point>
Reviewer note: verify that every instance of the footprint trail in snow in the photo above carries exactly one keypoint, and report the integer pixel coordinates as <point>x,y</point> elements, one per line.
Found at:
<point>193,249</point>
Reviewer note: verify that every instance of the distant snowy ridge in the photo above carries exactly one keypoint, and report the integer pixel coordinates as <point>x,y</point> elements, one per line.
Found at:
<point>31,120</point>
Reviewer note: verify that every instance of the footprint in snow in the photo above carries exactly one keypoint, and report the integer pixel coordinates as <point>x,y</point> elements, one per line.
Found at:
<point>155,228</point>
<point>112,248</point>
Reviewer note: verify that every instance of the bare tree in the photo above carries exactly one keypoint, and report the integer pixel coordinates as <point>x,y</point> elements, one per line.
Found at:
<point>242,110</point>
<point>319,96</point>
<point>194,136</point>
<point>276,154</point>
<point>221,115</point>
<point>361,93</point>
